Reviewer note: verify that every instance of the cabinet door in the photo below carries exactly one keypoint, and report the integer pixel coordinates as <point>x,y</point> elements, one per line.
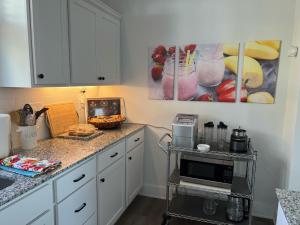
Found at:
<point>49,42</point>
<point>111,193</point>
<point>82,25</point>
<point>46,219</point>
<point>134,170</point>
<point>108,48</point>
<point>92,220</point>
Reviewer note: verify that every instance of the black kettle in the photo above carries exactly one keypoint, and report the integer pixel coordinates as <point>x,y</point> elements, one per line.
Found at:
<point>239,141</point>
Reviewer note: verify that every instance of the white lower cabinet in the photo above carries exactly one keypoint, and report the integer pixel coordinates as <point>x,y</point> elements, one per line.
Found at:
<point>45,219</point>
<point>92,220</point>
<point>78,207</point>
<point>111,193</point>
<point>78,196</point>
<point>134,172</point>
<point>30,208</point>
<point>281,220</point>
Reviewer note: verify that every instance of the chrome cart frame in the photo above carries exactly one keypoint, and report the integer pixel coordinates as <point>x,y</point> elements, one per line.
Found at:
<point>179,204</point>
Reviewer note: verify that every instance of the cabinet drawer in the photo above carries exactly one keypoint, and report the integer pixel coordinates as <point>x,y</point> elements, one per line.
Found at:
<point>46,219</point>
<point>134,140</point>
<point>78,207</point>
<point>92,220</point>
<point>70,182</point>
<point>104,159</point>
<point>30,207</point>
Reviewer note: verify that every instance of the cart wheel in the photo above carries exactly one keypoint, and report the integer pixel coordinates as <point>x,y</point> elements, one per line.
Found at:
<point>166,219</point>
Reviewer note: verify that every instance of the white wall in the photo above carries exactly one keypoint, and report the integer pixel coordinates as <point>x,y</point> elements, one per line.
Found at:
<point>293,109</point>
<point>14,98</point>
<point>148,23</point>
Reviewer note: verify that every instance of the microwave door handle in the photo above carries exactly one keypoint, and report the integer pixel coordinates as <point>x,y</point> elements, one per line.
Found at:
<point>161,140</point>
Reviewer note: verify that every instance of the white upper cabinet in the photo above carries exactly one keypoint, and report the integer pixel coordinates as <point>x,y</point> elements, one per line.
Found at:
<point>94,31</point>
<point>83,58</point>
<point>50,42</point>
<point>58,43</point>
<point>33,43</point>
<point>108,48</point>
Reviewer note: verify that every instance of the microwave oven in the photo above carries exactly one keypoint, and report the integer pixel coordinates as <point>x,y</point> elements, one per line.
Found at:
<point>206,171</point>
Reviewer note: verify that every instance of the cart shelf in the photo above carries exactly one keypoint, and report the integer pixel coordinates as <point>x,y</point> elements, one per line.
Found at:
<point>224,153</point>
<point>240,187</point>
<point>191,208</point>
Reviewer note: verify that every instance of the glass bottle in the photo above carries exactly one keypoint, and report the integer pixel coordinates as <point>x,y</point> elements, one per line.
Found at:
<point>209,133</point>
<point>235,209</point>
<point>221,135</point>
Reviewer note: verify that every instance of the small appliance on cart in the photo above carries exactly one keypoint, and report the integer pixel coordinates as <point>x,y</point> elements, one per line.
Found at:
<point>106,113</point>
<point>205,186</point>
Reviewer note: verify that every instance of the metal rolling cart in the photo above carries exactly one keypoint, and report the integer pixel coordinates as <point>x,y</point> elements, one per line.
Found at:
<point>179,204</point>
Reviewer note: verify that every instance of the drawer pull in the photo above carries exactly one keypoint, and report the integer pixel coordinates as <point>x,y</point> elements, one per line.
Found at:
<point>114,155</point>
<point>102,180</point>
<point>79,178</point>
<point>136,140</point>
<point>130,158</point>
<point>81,208</point>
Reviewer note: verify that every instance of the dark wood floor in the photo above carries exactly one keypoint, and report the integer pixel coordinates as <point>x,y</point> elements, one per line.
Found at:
<point>149,211</point>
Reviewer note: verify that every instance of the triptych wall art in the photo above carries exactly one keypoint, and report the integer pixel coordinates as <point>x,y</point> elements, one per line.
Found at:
<point>210,72</point>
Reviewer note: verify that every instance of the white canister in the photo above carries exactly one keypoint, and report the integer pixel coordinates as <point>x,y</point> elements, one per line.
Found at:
<point>28,137</point>
<point>5,128</point>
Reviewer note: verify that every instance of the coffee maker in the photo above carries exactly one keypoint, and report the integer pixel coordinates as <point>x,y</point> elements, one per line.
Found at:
<point>239,141</point>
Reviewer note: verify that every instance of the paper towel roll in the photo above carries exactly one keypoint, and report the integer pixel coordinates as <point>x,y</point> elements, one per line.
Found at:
<point>5,128</point>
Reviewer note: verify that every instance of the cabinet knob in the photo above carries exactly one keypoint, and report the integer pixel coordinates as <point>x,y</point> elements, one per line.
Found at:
<point>102,180</point>
<point>101,78</point>
<point>41,76</point>
<point>130,158</point>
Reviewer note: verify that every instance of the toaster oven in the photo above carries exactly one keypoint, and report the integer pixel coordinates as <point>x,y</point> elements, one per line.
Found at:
<point>185,130</point>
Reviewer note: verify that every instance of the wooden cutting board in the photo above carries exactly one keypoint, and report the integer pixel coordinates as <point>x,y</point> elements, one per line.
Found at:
<point>60,117</point>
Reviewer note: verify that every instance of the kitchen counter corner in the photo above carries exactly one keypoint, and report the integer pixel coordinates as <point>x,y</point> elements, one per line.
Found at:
<point>290,203</point>
<point>69,152</point>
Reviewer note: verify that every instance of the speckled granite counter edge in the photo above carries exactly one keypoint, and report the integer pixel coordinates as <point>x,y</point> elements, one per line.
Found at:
<point>290,203</point>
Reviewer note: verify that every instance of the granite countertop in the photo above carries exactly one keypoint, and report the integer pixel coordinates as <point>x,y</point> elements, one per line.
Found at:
<point>290,203</point>
<point>69,152</point>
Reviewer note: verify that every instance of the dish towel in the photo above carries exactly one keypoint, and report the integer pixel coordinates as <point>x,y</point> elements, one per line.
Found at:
<point>26,166</point>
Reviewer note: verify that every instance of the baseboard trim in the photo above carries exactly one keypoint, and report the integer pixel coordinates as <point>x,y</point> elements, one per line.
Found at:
<point>263,210</point>
<point>154,191</point>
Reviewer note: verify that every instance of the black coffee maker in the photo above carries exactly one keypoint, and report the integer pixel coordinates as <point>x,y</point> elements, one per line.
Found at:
<point>239,141</point>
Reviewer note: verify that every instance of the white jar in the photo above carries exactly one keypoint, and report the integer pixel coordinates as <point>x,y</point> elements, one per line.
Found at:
<point>28,137</point>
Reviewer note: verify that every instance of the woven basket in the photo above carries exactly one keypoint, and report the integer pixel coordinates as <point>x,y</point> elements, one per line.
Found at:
<point>107,122</point>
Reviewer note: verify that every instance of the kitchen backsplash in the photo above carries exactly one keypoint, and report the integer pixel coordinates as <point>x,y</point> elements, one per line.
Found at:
<point>14,98</point>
